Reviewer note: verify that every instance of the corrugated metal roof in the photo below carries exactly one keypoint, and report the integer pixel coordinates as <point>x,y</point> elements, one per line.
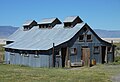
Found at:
<point>42,39</point>
<point>46,21</point>
<point>28,22</point>
<point>70,19</point>
<point>17,34</point>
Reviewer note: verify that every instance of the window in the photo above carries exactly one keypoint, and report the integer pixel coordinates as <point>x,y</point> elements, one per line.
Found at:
<point>12,53</point>
<point>49,26</point>
<point>26,28</point>
<point>44,26</point>
<point>26,55</point>
<point>89,38</point>
<point>41,26</point>
<point>21,54</point>
<point>109,49</point>
<point>67,24</point>
<point>96,49</point>
<point>36,56</point>
<point>81,38</point>
<point>73,51</point>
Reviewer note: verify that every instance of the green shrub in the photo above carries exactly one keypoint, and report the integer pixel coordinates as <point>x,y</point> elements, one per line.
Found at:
<point>117,59</point>
<point>116,62</point>
<point>1,52</point>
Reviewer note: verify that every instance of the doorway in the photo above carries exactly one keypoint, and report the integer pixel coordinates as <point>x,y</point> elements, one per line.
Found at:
<point>86,56</point>
<point>103,54</point>
<point>63,53</point>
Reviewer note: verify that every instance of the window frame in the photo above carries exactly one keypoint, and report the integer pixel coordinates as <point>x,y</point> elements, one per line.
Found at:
<point>21,54</point>
<point>67,24</point>
<point>41,26</point>
<point>36,56</point>
<point>89,40</point>
<point>73,51</point>
<point>26,55</point>
<point>83,36</point>
<point>12,53</point>
<point>96,51</point>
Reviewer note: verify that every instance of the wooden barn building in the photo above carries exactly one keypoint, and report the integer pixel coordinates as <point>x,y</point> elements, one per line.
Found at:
<point>51,43</point>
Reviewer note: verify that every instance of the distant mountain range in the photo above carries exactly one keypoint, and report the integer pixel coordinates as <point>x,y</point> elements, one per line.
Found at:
<point>108,33</point>
<point>6,31</point>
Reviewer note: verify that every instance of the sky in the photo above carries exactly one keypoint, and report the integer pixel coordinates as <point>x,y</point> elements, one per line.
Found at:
<point>99,14</point>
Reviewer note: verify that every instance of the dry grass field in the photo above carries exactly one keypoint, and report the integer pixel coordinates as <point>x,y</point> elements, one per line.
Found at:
<point>98,73</point>
<point>1,52</point>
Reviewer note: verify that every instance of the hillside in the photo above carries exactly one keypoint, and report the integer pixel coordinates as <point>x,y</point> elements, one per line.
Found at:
<point>6,31</point>
<point>107,33</point>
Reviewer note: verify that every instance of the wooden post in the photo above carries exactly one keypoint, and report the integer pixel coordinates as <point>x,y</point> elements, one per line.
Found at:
<point>67,58</point>
<point>106,55</point>
<point>112,50</point>
<point>53,56</point>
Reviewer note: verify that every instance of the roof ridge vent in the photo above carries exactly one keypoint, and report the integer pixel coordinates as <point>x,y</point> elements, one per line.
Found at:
<point>29,24</point>
<point>71,21</point>
<point>48,22</point>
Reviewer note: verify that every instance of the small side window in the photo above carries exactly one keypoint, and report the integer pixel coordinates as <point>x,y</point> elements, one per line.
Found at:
<point>41,26</point>
<point>73,51</point>
<point>26,28</point>
<point>36,56</point>
<point>21,54</point>
<point>26,55</point>
<point>81,38</point>
<point>12,53</point>
<point>49,26</point>
<point>89,37</point>
<point>67,24</point>
<point>96,49</point>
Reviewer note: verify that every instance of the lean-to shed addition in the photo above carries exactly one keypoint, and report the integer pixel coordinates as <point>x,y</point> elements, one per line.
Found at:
<point>51,43</point>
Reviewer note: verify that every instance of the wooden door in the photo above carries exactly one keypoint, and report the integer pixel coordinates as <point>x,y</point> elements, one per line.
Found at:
<point>104,56</point>
<point>63,53</point>
<point>86,56</point>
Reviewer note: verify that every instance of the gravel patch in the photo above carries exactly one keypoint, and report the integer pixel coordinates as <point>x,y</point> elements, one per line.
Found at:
<point>116,78</point>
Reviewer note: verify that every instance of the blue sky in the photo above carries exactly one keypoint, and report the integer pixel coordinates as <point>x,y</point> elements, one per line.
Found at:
<point>99,14</point>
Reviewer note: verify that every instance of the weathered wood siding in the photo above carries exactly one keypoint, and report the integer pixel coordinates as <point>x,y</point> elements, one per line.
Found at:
<point>89,44</point>
<point>42,60</point>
